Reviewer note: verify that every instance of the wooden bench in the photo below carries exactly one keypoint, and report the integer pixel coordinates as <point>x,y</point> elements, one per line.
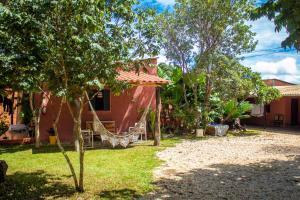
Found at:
<point>109,125</point>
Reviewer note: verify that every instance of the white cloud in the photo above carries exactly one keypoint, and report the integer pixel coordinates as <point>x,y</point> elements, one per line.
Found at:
<point>285,66</point>
<point>166,2</point>
<point>285,69</point>
<point>266,35</point>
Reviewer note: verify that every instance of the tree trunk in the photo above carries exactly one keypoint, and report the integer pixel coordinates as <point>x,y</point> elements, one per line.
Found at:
<point>76,114</point>
<point>157,133</point>
<point>12,107</point>
<point>19,107</point>
<point>184,94</point>
<point>36,114</point>
<point>62,149</point>
<point>206,101</point>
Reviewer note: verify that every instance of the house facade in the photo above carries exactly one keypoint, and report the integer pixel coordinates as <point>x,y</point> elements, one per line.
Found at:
<point>117,112</point>
<point>285,111</point>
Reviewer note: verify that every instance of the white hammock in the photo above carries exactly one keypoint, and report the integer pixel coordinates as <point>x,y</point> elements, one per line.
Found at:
<point>124,139</point>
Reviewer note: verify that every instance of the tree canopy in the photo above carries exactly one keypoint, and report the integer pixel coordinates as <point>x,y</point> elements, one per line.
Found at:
<point>72,47</point>
<point>286,15</point>
<point>202,38</point>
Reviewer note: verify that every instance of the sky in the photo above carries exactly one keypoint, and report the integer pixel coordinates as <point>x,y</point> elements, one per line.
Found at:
<point>269,58</point>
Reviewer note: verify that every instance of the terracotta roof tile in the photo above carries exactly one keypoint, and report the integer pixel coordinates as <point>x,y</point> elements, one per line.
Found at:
<point>292,90</point>
<point>141,78</point>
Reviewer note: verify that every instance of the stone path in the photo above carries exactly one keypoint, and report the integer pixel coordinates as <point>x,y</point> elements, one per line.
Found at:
<point>266,166</point>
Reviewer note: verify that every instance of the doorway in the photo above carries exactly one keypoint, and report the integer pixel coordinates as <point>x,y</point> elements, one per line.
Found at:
<point>294,112</point>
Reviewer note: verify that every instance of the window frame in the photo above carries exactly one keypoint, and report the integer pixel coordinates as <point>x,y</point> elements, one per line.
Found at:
<point>94,99</point>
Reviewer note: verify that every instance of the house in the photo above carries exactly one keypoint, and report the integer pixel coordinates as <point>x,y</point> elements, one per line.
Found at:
<point>282,112</point>
<point>117,112</point>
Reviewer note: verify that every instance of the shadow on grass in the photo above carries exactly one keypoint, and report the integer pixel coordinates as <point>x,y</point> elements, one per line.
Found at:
<point>14,148</point>
<point>35,185</point>
<point>120,194</point>
<point>52,148</point>
<point>276,179</point>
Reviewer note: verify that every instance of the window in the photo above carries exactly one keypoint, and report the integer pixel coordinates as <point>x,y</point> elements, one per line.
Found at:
<point>101,101</point>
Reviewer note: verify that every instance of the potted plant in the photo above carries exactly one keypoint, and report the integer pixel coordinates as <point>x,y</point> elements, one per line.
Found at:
<point>52,137</point>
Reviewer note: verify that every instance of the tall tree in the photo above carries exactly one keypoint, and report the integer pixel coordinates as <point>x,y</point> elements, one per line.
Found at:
<point>22,52</point>
<point>286,15</point>
<point>213,29</point>
<point>86,43</point>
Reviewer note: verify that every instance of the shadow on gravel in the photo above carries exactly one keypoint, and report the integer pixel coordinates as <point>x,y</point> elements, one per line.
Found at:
<point>266,180</point>
<point>282,149</point>
<point>279,130</point>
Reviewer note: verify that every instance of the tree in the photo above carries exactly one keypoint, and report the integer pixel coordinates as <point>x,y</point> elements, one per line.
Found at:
<point>86,43</point>
<point>286,14</point>
<point>213,30</point>
<point>233,84</point>
<point>22,52</point>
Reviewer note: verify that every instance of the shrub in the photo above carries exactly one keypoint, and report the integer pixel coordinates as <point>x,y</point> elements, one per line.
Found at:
<point>3,127</point>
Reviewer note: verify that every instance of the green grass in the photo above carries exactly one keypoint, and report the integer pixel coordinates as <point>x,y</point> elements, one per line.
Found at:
<point>109,173</point>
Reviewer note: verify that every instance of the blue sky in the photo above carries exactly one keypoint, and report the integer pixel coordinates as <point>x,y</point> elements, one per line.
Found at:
<point>269,58</point>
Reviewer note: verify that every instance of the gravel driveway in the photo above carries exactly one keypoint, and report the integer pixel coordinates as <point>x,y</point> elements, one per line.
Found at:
<point>266,166</point>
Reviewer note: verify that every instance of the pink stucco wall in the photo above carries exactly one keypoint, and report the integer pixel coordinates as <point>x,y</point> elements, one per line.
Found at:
<point>281,106</point>
<point>124,110</point>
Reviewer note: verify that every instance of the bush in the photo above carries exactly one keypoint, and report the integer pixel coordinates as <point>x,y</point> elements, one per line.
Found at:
<point>3,127</point>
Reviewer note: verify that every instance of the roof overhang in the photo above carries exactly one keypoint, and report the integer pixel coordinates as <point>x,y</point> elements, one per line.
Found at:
<point>141,78</point>
<point>289,91</point>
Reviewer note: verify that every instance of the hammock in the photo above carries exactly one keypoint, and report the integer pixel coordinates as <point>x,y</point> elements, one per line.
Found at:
<point>124,139</point>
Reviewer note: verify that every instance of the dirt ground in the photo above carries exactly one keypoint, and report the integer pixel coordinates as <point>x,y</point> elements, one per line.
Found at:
<point>265,166</point>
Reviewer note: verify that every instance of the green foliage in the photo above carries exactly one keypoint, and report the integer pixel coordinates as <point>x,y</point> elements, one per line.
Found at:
<point>234,110</point>
<point>266,94</point>
<point>70,47</point>
<point>3,127</point>
<point>203,39</point>
<point>26,113</point>
<point>233,84</point>
<point>21,43</point>
<point>151,119</point>
<point>286,15</point>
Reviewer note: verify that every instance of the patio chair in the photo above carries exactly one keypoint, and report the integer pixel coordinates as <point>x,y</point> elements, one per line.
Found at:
<point>278,120</point>
<point>88,139</point>
<point>122,139</point>
<point>139,129</point>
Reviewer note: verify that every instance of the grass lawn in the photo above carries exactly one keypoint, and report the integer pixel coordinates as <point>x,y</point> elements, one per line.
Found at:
<point>109,173</point>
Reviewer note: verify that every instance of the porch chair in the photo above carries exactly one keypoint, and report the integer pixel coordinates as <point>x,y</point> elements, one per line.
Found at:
<point>278,120</point>
<point>122,139</point>
<point>88,138</point>
<point>139,129</point>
